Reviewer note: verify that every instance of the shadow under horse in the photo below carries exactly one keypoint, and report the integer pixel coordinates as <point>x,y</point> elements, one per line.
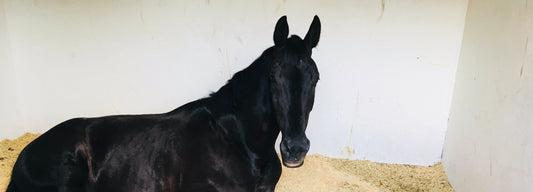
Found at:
<point>224,142</point>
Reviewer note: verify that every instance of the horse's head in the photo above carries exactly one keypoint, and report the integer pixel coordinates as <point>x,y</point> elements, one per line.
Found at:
<point>293,79</point>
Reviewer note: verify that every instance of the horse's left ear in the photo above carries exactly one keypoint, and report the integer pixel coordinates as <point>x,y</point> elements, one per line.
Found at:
<point>281,31</point>
<point>313,35</point>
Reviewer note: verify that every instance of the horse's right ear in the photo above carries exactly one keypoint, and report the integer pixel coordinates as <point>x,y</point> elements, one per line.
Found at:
<point>281,32</point>
<point>313,35</point>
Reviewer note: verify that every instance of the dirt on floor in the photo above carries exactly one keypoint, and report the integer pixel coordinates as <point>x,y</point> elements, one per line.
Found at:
<point>319,173</point>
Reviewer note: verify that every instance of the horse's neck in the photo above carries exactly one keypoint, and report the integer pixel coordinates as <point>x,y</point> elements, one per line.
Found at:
<point>256,120</point>
<point>247,100</point>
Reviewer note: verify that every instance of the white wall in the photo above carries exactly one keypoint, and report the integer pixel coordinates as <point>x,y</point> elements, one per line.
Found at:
<point>9,111</point>
<point>387,67</point>
<point>489,144</point>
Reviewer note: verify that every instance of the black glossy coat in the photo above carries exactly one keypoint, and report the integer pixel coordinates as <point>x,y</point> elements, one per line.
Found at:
<point>224,142</point>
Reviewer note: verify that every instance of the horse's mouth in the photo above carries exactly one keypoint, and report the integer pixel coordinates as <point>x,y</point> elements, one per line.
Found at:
<point>293,164</point>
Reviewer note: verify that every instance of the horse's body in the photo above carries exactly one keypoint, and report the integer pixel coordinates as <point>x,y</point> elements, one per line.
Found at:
<point>224,142</point>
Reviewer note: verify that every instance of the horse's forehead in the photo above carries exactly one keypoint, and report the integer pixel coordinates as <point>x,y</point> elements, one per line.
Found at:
<point>297,48</point>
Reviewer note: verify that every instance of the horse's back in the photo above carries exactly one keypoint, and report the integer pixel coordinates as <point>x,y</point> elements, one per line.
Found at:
<point>184,150</point>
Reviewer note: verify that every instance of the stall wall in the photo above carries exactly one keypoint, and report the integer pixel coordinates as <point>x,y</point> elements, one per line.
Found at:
<point>489,144</point>
<point>387,67</point>
<point>10,115</point>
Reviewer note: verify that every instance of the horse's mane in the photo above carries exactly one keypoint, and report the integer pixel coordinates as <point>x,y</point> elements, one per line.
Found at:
<point>238,86</point>
<point>262,62</point>
<point>253,70</point>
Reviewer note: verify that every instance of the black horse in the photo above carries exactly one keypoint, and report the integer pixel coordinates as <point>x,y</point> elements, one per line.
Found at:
<point>224,142</point>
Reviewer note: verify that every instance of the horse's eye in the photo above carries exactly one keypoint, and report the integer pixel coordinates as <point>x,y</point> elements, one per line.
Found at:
<point>302,62</point>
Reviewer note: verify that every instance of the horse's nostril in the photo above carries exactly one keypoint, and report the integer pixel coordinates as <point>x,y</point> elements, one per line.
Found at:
<point>285,148</point>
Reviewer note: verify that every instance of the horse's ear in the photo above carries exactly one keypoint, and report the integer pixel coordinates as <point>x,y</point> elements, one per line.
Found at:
<point>313,35</point>
<point>281,31</point>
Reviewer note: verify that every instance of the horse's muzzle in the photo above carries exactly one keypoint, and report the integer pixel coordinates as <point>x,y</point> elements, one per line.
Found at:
<point>293,151</point>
